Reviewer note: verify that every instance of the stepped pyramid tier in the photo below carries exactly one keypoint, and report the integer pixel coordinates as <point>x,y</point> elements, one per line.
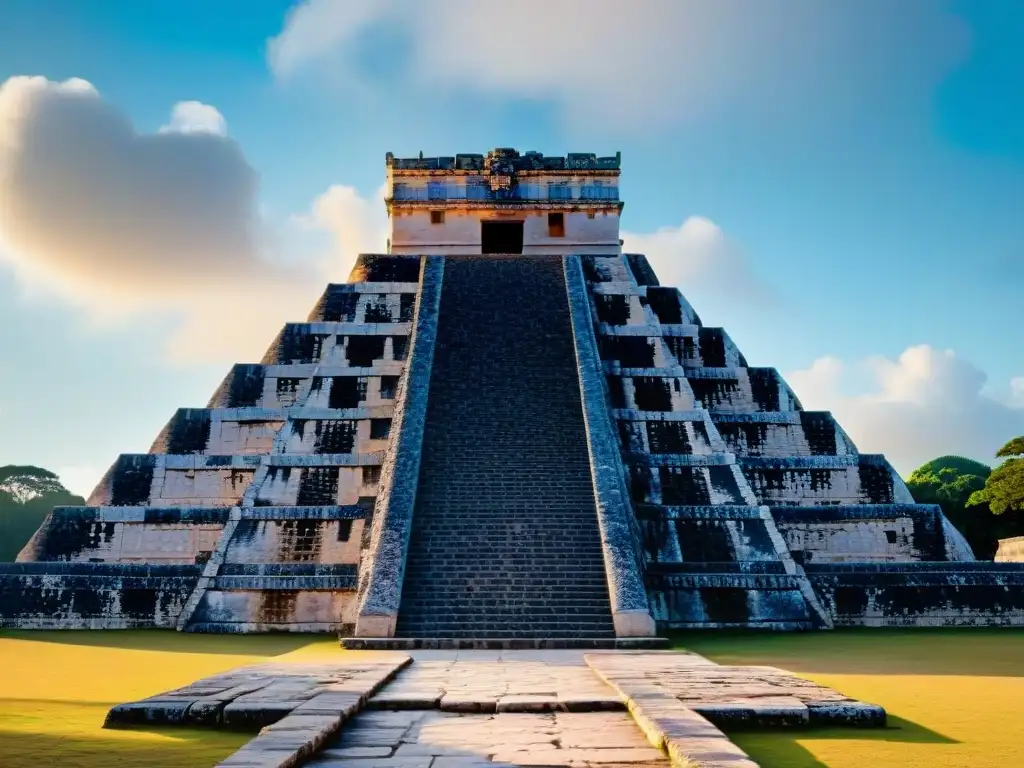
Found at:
<point>502,429</point>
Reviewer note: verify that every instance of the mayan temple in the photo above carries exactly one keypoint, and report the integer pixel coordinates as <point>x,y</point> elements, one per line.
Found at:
<point>503,429</point>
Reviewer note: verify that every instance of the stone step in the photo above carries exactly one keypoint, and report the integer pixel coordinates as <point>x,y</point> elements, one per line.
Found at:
<point>501,643</point>
<point>549,568</point>
<point>505,535</point>
<point>499,607</point>
<point>511,583</point>
<point>521,628</point>
<point>568,549</point>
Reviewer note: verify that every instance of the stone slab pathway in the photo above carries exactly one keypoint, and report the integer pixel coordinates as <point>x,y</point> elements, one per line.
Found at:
<point>505,681</point>
<point>468,708</point>
<point>437,739</point>
<point>730,696</point>
<point>262,694</point>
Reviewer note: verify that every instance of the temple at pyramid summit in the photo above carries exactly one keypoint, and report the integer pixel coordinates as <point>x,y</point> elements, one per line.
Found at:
<point>503,430</point>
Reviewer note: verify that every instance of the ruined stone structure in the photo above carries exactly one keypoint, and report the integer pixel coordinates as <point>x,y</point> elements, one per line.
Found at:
<point>503,428</point>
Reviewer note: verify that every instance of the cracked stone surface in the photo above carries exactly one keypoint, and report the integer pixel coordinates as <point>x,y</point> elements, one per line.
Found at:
<point>263,694</point>
<point>463,708</point>
<point>505,681</point>
<point>438,739</point>
<point>730,696</point>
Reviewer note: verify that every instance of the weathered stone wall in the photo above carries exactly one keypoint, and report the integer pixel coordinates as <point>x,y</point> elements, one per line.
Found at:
<point>266,493</point>
<point>925,594</point>
<point>257,513</point>
<point>157,535</point>
<point>312,496</point>
<point>783,434</point>
<point>280,597</point>
<point>53,595</point>
<point>459,234</point>
<point>721,566</point>
<point>868,533</point>
<point>383,569</point>
<point>466,190</point>
<point>714,558</point>
<point>816,480</point>
<point>735,485</point>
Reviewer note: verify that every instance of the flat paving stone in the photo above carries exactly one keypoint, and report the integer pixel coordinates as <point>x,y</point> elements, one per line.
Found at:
<point>255,696</point>
<point>466,708</point>
<point>733,696</point>
<point>452,740</point>
<point>343,753</point>
<point>492,681</point>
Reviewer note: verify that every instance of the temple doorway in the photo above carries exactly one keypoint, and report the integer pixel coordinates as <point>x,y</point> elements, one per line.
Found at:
<point>501,236</point>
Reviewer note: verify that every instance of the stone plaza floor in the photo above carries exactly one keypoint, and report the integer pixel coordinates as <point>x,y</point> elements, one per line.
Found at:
<point>454,709</point>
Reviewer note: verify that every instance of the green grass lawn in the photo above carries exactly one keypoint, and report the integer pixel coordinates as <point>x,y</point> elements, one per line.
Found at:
<point>56,688</point>
<point>955,698</point>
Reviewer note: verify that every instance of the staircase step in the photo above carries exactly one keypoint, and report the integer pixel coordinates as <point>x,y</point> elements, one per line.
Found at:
<point>505,540</point>
<point>501,643</point>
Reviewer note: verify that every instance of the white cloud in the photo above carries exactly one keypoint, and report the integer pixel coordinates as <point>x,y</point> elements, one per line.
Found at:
<point>1017,392</point>
<point>658,61</point>
<point>926,403</point>
<point>196,117</point>
<point>355,224</point>
<point>123,224</point>
<point>699,258</point>
<point>314,27</point>
<point>89,202</point>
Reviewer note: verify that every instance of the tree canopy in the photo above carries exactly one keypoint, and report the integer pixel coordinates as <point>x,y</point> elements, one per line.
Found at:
<point>952,482</point>
<point>1004,488</point>
<point>947,480</point>
<point>27,494</point>
<point>961,464</point>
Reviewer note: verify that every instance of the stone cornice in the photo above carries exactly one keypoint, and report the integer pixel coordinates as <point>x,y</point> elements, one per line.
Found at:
<point>533,173</point>
<point>507,205</point>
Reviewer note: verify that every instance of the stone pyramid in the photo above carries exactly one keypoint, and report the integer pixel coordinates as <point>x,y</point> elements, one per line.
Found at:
<point>529,446</point>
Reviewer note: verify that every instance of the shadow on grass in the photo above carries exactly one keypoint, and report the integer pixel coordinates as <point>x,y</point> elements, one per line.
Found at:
<point>69,734</point>
<point>168,640</point>
<point>996,652</point>
<point>168,748</point>
<point>783,748</point>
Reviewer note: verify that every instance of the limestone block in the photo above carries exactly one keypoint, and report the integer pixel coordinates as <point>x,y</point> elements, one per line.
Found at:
<point>237,437</point>
<point>285,610</point>
<point>315,541</point>
<point>221,487</point>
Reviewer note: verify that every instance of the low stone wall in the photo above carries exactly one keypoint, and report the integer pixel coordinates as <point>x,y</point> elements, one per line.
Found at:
<point>278,597</point>
<point>783,434</point>
<point>51,595</point>
<point>947,594</point>
<point>723,566</point>
<point>157,535</point>
<point>867,533</point>
<point>820,480</point>
<point>284,569</point>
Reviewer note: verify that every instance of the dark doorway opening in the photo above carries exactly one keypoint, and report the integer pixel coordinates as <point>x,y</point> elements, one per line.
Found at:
<point>501,236</point>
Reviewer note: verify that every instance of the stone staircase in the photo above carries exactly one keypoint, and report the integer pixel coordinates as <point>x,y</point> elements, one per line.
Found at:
<point>505,540</point>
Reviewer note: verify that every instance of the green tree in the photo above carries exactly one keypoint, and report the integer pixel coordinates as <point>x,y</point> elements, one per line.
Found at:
<point>950,481</point>
<point>1004,488</point>
<point>27,494</point>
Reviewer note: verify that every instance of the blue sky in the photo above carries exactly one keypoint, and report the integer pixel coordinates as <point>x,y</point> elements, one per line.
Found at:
<point>855,170</point>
